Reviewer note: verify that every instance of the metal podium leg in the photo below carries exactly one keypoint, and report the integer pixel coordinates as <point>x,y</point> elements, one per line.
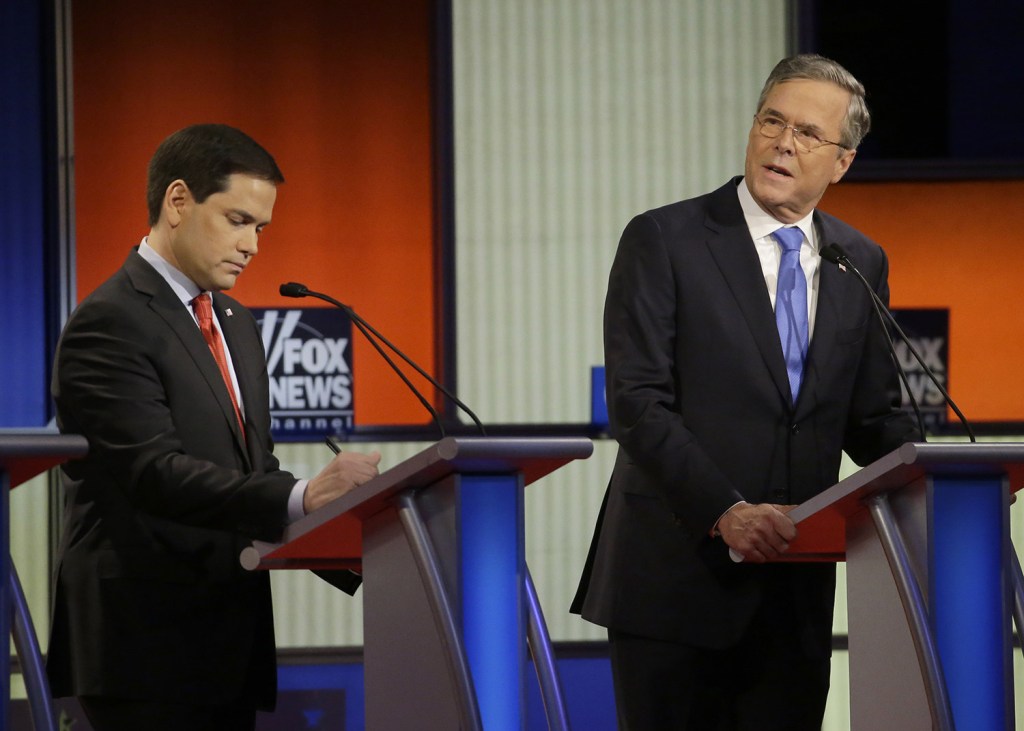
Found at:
<point>6,600</point>
<point>1017,581</point>
<point>441,608</point>
<point>544,661</point>
<point>36,685</point>
<point>914,606</point>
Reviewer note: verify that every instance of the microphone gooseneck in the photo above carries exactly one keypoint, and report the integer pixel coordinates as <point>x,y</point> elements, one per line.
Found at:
<point>294,289</point>
<point>837,255</point>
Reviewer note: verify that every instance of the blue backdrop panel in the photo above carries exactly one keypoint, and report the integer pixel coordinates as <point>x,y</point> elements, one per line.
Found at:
<point>24,350</point>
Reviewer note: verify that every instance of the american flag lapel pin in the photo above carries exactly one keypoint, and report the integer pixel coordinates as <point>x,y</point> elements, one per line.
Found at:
<point>228,312</point>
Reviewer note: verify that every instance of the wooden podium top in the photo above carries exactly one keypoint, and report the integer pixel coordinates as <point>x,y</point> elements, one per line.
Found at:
<point>331,537</point>
<point>27,453</point>
<point>821,521</point>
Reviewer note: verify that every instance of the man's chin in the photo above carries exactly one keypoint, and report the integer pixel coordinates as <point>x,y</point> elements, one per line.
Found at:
<point>226,282</point>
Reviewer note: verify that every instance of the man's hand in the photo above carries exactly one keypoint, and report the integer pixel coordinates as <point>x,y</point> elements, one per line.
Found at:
<point>346,471</point>
<point>757,532</point>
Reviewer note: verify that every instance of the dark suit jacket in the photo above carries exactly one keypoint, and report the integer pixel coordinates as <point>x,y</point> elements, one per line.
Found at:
<point>698,399</point>
<point>150,601</point>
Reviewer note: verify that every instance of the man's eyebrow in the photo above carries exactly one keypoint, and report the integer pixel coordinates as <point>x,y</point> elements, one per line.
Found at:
<point>808,127</point>
<point>245,216</point>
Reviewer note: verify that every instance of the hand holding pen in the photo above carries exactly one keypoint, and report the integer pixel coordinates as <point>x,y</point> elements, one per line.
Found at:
<point>343,473</point>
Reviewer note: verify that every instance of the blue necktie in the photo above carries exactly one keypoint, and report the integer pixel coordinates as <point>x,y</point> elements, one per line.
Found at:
<point>791,306</point>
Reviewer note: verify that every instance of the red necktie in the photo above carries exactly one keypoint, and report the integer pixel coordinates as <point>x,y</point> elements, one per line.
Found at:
<point>204,313</point>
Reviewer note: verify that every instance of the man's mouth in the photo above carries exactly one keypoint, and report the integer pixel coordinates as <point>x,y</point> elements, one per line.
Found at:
<point>778,170</point>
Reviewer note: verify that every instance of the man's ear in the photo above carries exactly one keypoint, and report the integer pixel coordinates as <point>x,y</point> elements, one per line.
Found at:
<point>843,163</point>
<point>177,198</point>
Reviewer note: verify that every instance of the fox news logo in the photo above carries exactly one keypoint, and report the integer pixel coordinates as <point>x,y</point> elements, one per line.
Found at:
<point>928,330</point>
<point>309,361</point>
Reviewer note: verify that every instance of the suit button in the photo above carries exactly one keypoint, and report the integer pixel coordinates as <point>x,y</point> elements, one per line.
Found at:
<point>780,495</point>
<point>795,428</point>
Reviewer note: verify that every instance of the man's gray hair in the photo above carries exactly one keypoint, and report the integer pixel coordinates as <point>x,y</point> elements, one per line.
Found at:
<point>811,66</point>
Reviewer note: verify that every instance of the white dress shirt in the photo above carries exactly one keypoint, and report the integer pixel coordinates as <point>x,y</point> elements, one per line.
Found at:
<point>769,251</point>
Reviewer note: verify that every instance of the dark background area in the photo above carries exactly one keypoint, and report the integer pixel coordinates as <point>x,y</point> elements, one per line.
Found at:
<point>945,81</point>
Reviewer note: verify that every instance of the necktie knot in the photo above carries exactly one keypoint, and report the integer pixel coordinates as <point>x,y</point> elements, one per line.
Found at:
<point>789,238</point>
<point>203,309</point>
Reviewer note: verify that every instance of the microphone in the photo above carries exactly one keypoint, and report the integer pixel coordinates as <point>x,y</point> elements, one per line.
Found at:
<point>838,256</point>
<point>294,289</point>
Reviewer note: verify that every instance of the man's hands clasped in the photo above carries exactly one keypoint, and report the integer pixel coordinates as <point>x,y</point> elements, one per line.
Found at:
<point>758,532</point>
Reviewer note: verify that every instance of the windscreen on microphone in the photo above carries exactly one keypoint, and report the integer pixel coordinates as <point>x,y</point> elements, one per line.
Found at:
<point>841,251</point>
<point>833,253</point>
<point>293,289</point>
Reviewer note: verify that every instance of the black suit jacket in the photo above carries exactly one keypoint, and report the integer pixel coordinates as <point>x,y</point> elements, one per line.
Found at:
<point>150,601</point>
<point>699,402</point>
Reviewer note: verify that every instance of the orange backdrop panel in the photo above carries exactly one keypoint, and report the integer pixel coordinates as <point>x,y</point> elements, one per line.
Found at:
<point>955,245</point>
<point>337,90</point>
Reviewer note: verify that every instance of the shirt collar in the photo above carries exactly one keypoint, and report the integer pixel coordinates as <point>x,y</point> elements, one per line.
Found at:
<point>762,225</point>
<point>183,287</point>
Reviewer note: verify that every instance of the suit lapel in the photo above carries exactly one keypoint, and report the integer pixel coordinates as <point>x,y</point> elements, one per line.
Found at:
<point>244,361</point>
<point>733,251</point>
<point>828,315</point>
<point>167,306</point>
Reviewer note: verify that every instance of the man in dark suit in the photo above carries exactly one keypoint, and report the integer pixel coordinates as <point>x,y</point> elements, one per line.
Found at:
<point>727,413</point>
<point>155,623</point>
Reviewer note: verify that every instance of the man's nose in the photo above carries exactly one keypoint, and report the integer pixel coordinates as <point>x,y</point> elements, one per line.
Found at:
<point>249,242</point>
<point>787,140</point>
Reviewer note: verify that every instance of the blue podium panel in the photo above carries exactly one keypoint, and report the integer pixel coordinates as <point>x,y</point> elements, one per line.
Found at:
<point>492,571</point>
<point>969,597</point>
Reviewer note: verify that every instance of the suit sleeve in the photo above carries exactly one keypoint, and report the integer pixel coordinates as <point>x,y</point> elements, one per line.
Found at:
<point>642,335</point>
<point>123,385</point>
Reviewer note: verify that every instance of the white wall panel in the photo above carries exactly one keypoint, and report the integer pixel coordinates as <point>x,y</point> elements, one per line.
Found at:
<point>571,116</point>
<point>30,550</point>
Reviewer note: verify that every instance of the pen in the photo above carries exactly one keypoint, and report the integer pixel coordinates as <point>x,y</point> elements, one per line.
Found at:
<point>333,445</point>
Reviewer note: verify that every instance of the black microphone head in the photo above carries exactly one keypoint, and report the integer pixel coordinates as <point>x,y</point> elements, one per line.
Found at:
<point>839,250</point>
<point>831,253</point>
<point>293,289</point>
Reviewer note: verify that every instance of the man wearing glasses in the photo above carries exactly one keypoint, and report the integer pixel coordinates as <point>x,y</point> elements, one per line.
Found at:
<point>739,367</point>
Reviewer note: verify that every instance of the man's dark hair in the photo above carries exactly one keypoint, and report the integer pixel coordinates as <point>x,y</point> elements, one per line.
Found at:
<point>811,66</point>
<point>204,156</point>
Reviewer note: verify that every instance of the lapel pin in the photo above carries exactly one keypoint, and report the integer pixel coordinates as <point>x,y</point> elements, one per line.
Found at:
<point>228,312</point>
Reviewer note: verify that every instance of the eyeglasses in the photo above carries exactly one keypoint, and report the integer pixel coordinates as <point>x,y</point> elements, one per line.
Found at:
<point>805,140</point>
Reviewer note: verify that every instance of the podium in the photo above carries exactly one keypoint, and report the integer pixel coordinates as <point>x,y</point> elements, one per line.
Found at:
<point>23,455</point>
<point>448,605</point>
<point>925,535</point>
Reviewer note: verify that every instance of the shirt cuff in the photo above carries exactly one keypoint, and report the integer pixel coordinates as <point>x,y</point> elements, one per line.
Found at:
<point>295,501</point>
<point>715,533</point>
